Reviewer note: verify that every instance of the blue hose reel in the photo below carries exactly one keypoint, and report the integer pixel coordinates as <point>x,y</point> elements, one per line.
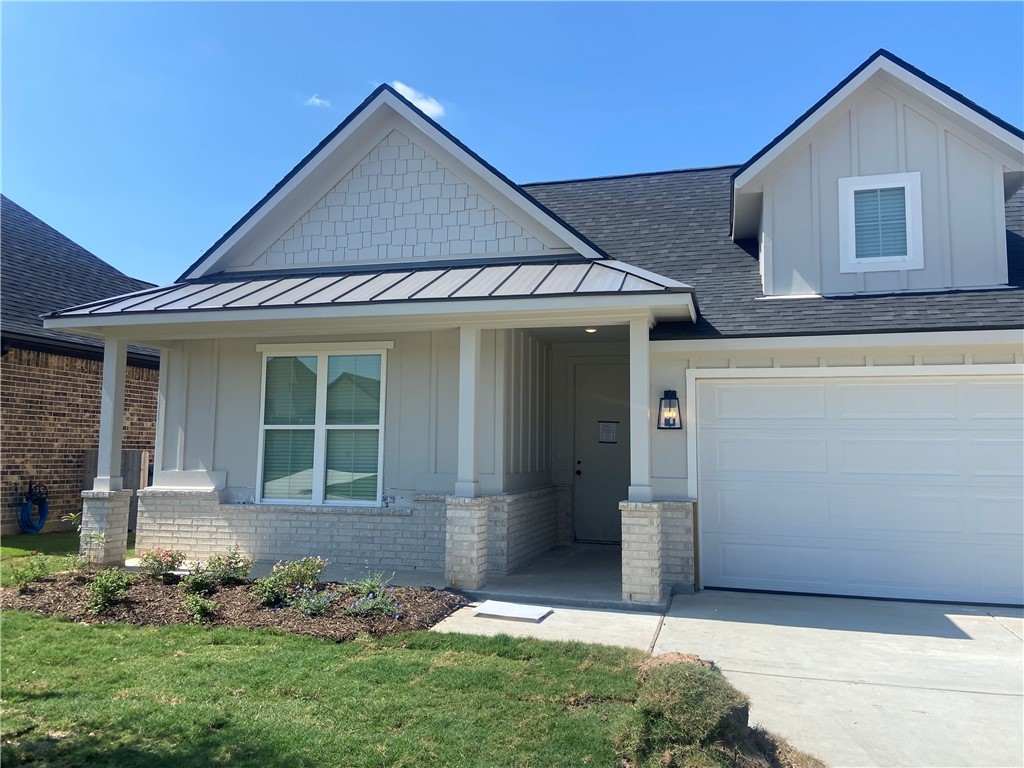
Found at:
<point>34,509</point>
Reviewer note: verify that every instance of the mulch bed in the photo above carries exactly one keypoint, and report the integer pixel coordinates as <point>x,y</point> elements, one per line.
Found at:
<point>153,603</point>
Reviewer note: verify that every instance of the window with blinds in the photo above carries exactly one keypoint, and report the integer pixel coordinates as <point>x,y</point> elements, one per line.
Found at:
<point>880,223</point>
<point>880,217</point>
<point>322,428</point>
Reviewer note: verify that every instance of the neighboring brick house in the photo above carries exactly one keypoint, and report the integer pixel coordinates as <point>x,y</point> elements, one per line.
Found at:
<point>50,381</point>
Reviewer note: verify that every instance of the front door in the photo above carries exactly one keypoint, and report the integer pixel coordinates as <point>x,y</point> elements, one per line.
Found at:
<point>602,450</point>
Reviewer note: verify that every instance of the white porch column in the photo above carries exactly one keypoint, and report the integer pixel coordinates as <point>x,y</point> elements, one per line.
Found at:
<point>467,484</point>
<point>640,411</point>
<point>108,461</point>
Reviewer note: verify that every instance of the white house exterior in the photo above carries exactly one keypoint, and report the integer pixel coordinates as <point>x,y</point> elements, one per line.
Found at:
<point>401,357</point>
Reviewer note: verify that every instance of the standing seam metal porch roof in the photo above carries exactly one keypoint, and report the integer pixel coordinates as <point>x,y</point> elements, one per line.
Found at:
<point>393,283</point>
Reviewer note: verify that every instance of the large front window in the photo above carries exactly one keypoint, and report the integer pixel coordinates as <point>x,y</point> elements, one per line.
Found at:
<point>321,431</point>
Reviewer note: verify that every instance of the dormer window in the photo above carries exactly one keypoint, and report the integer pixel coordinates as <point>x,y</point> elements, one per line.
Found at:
<point>880,223</point>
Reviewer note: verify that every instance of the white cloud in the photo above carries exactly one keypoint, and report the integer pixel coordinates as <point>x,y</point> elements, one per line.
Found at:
<point>316,101</point>
<point>430,106</point>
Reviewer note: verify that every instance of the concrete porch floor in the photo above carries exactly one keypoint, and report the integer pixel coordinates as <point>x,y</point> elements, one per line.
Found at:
<point>579,575</point>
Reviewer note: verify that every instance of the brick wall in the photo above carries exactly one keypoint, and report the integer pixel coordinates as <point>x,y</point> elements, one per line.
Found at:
<point>49,414</point>
<point>520,526</point>
<point>200,524</point>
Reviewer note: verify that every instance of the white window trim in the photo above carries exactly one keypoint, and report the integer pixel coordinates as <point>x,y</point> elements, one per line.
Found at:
<point>848,261</point>
<point>319,426</point>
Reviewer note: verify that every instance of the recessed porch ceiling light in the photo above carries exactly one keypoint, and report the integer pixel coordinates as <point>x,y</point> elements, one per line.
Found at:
<point>590,330</point>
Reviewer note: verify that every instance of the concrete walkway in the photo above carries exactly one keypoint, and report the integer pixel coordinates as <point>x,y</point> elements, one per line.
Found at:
<point>857,682</point>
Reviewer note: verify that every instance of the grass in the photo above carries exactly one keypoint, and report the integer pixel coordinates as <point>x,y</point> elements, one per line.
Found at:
<point>53,546</point>
<point>112,695</point>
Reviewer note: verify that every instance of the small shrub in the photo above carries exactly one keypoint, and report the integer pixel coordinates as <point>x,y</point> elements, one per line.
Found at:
<point>300,573</point>
<point>199,608</point>
<point>287,579</point>
<point>373,583</point>
<point>381,603</point>
<point>106,587</point>
<point>29,569</point>
<point>198,583</point>
<point>229,568</point>
<point>158,563</point>
<point>270,591</point>
<point>310,601</point>
<point>75,563</point>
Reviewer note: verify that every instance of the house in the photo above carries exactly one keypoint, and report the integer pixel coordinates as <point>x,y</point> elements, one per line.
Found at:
<point>50,380</point>
<point>800,374</point>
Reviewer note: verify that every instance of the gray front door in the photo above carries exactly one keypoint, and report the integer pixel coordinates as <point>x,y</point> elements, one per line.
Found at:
<point>602,450</point>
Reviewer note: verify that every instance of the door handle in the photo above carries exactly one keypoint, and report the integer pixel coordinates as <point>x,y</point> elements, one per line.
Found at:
<point>579,471</point>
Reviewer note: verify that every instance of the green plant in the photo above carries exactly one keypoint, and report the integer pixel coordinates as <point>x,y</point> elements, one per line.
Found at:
<point>310,601</point>
<point>199,582</point>
<point>199,608</point>
<point>92,545</point>
<point>75,518</point>
<point>382,603</point>
<point>372,583</point>
<point>30,569</point>
<point>158,563</point>
<point>230,567</point>
<point>75,563</point>
<point>287,579</point>
<point>106,587</point>
<point>270,591</point>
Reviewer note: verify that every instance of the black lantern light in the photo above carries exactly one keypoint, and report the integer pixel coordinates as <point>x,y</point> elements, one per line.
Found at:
<point>668,411</point>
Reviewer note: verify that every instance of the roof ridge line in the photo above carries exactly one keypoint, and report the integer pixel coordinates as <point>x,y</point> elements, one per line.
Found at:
<point>631,175</point>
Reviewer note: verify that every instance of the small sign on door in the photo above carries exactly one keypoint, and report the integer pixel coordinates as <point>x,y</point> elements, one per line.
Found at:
<point>607,431</point>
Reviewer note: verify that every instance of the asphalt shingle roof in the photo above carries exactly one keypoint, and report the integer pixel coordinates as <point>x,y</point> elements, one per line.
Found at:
<point>41,271</point>
<point>678,225</point>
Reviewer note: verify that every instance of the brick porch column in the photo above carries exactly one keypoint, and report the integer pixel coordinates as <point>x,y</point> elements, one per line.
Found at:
<point>641,551</point>
<point>105,526</point>
<point>465,542</point>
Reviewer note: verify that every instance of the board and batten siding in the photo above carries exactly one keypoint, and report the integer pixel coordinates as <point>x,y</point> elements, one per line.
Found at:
<point>883,129</point>
<point>668,371</point>
<point>211,406</point>
<point>528,416</point>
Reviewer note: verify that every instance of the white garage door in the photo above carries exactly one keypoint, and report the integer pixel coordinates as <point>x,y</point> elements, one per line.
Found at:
<point>905,487</point>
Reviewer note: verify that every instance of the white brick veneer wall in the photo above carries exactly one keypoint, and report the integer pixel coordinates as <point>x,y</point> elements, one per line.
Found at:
<point>677,543</point>
<point>398,203</point>
<point>200,525</point>
<point>520,526</point>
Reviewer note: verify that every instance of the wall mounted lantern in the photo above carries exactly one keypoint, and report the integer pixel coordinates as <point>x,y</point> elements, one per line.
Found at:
<point>668,411</point>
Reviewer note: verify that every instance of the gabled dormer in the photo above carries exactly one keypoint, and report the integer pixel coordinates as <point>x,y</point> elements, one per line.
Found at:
<point>892,182</point>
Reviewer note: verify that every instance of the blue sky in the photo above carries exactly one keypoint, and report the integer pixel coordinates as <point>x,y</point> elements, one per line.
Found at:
<point>144,131</point>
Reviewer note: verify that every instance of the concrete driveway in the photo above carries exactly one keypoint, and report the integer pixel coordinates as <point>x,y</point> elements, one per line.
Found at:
<point>866,682</point>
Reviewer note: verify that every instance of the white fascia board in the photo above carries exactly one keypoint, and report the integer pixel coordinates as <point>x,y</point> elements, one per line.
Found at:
<point>859,340</point>
<point>657,306</point>
<point>861,372</point>
<point>1011,143</point>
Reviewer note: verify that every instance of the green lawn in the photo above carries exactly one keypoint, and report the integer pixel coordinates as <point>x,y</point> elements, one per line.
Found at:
<point>53,546</point>
<point>113,695</point>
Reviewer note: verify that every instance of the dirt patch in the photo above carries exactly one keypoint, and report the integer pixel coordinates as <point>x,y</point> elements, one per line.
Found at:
<point>155,604</point>
<point>645,666</point>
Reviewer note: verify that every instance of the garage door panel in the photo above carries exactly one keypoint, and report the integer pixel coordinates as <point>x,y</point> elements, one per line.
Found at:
<point>896,401</point>
<point>907,487</point>
<point>1000,515</point>
<point>994,400</point>
<point>773,454</point>
<point>740,402</point>
<point>824,511</point>
<point>802,566</point>
<point>998,458</point>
